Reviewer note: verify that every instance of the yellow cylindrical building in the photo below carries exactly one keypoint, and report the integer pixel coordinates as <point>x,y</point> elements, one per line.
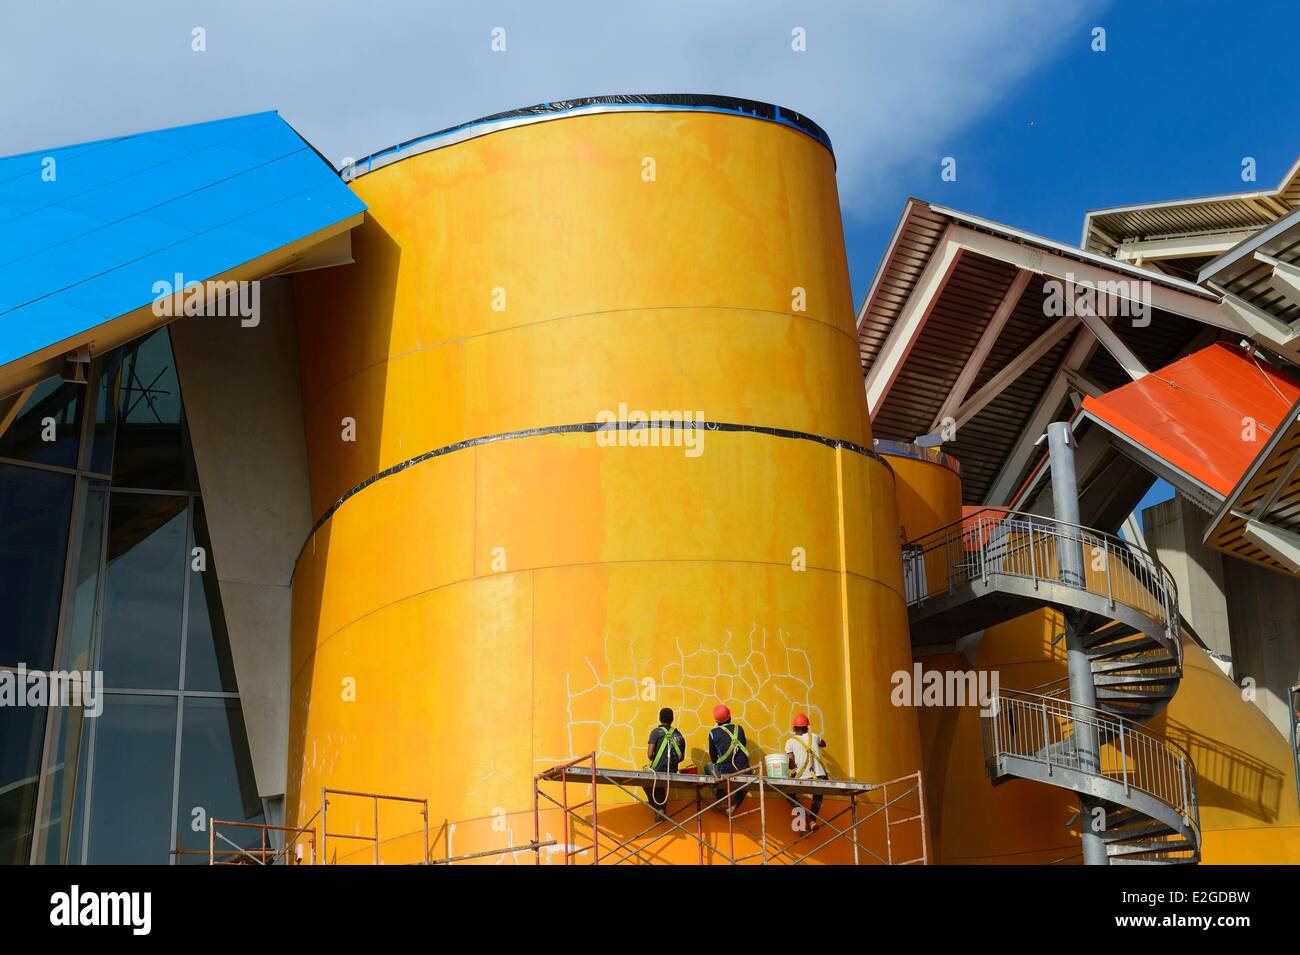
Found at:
<point>496,583</point>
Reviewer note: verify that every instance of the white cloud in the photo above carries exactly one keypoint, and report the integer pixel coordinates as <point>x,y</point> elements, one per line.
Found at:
<point>889,81</point>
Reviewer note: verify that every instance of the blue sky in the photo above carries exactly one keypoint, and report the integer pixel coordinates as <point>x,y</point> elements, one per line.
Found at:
<point>1184,90</point>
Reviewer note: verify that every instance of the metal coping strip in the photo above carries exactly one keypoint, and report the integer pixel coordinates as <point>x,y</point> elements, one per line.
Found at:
<point>591,105</point>
<point>592,427</point>
<point>906,449</point>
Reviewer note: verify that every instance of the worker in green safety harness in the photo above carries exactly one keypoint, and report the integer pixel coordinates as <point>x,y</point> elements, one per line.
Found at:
<point>664,750</point>
<point>728,753</point>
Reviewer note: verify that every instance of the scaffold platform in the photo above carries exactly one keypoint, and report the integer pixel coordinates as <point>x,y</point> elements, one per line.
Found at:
<point>887,806</point>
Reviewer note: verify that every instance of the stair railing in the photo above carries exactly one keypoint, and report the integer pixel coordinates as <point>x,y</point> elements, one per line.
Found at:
<point>1043,729</point>
<point>997,541</point>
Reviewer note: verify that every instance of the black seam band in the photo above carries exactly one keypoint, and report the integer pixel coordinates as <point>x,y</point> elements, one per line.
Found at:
<point>593,427</point>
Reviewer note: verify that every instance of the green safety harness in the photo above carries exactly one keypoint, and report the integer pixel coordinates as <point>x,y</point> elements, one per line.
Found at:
<point>669,739</point>
<point>733,732</point>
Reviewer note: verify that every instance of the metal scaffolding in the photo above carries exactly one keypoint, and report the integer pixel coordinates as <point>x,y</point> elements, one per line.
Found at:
<point>375,798</point>
<point>290,851</point>
<point>862,803</point>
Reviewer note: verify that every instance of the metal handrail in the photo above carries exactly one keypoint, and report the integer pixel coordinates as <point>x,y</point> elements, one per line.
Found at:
<point>1000,542</point>
<point>1044,729</point>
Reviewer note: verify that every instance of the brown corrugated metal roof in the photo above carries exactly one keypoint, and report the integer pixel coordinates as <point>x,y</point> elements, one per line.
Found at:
<point>953,328</point>
<point>943,349</point>
<point>918,233</point>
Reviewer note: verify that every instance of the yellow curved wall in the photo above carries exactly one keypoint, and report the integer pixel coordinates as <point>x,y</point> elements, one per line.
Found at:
<point>463,623</point>
<point>929,495</point>
<point>1246,785</point>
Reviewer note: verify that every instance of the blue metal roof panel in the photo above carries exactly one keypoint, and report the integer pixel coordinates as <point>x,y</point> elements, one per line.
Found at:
<point>122,214</point>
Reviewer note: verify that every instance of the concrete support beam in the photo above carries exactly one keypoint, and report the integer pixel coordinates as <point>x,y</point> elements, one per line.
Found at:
<point>1017,367</point>
<point>1278,542</point>
<point>1181,247</point>
<point>1260,325</point>
<point>1122,354</point>
<point>243,405</point>
<point>1005,485</point>
<point>1173,530</point>
<point>1285,279</point>
<point>1082,383</point>
<point>1264,611</point>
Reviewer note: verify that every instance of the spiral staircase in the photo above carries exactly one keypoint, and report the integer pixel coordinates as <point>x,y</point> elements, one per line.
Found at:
<point>995,565</point>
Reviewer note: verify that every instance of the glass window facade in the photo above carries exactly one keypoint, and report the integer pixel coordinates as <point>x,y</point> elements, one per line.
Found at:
<point>104,538</point>
<point>35,511</point>
<point>144,589</point>
<point>44,423</point>
<point>130,784</point>
<point>216,775</point>
<point>20,765</point>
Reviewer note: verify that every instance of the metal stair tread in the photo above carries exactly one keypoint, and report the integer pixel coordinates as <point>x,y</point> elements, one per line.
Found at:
<point>1113,666</point>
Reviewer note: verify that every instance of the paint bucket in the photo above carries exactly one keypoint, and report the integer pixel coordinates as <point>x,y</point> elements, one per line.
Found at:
<point>778,765</point>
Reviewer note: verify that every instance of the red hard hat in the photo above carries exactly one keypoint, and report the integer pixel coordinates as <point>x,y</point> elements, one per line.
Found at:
<point>721,713</point>
<point>801,719</point>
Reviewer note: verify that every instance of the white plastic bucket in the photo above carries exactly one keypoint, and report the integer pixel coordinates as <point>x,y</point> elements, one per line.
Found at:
<point>778,765</point>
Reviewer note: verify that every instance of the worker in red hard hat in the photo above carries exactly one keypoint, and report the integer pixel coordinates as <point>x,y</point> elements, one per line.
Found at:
<point>728,753</point>
<point>803,749</point>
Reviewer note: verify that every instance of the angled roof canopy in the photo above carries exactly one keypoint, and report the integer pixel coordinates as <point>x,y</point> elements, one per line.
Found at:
<point>958,326</point>
<point>1260,519</point>
<point>87,231</point>
<point>1181,235</point>
<point>1259,280</point>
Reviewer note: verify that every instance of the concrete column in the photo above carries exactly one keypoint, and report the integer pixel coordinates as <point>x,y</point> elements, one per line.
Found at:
<point>244,409</point>
<point>1174,530</point>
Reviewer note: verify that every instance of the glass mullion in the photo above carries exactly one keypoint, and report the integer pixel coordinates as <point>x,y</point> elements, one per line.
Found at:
<point>55,720</point>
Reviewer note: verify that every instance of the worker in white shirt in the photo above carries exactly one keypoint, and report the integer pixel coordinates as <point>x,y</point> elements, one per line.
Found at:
<point>803,749</point>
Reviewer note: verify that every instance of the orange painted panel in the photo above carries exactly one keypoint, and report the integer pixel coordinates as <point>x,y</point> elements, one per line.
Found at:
<point>1208,414</point>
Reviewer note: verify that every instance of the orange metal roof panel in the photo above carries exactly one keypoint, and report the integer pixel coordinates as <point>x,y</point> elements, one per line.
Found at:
<point>1192,413</point>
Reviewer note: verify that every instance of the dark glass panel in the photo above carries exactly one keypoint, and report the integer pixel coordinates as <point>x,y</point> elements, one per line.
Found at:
<point>104,427</point>
<point>35,511</point>
<point>144,587</point>
<point>22,729</point>
<point>23,435</point>
<point>207,654</point>
<point>131,785</point>
<point>216,775</point>
<point>150,449</point>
